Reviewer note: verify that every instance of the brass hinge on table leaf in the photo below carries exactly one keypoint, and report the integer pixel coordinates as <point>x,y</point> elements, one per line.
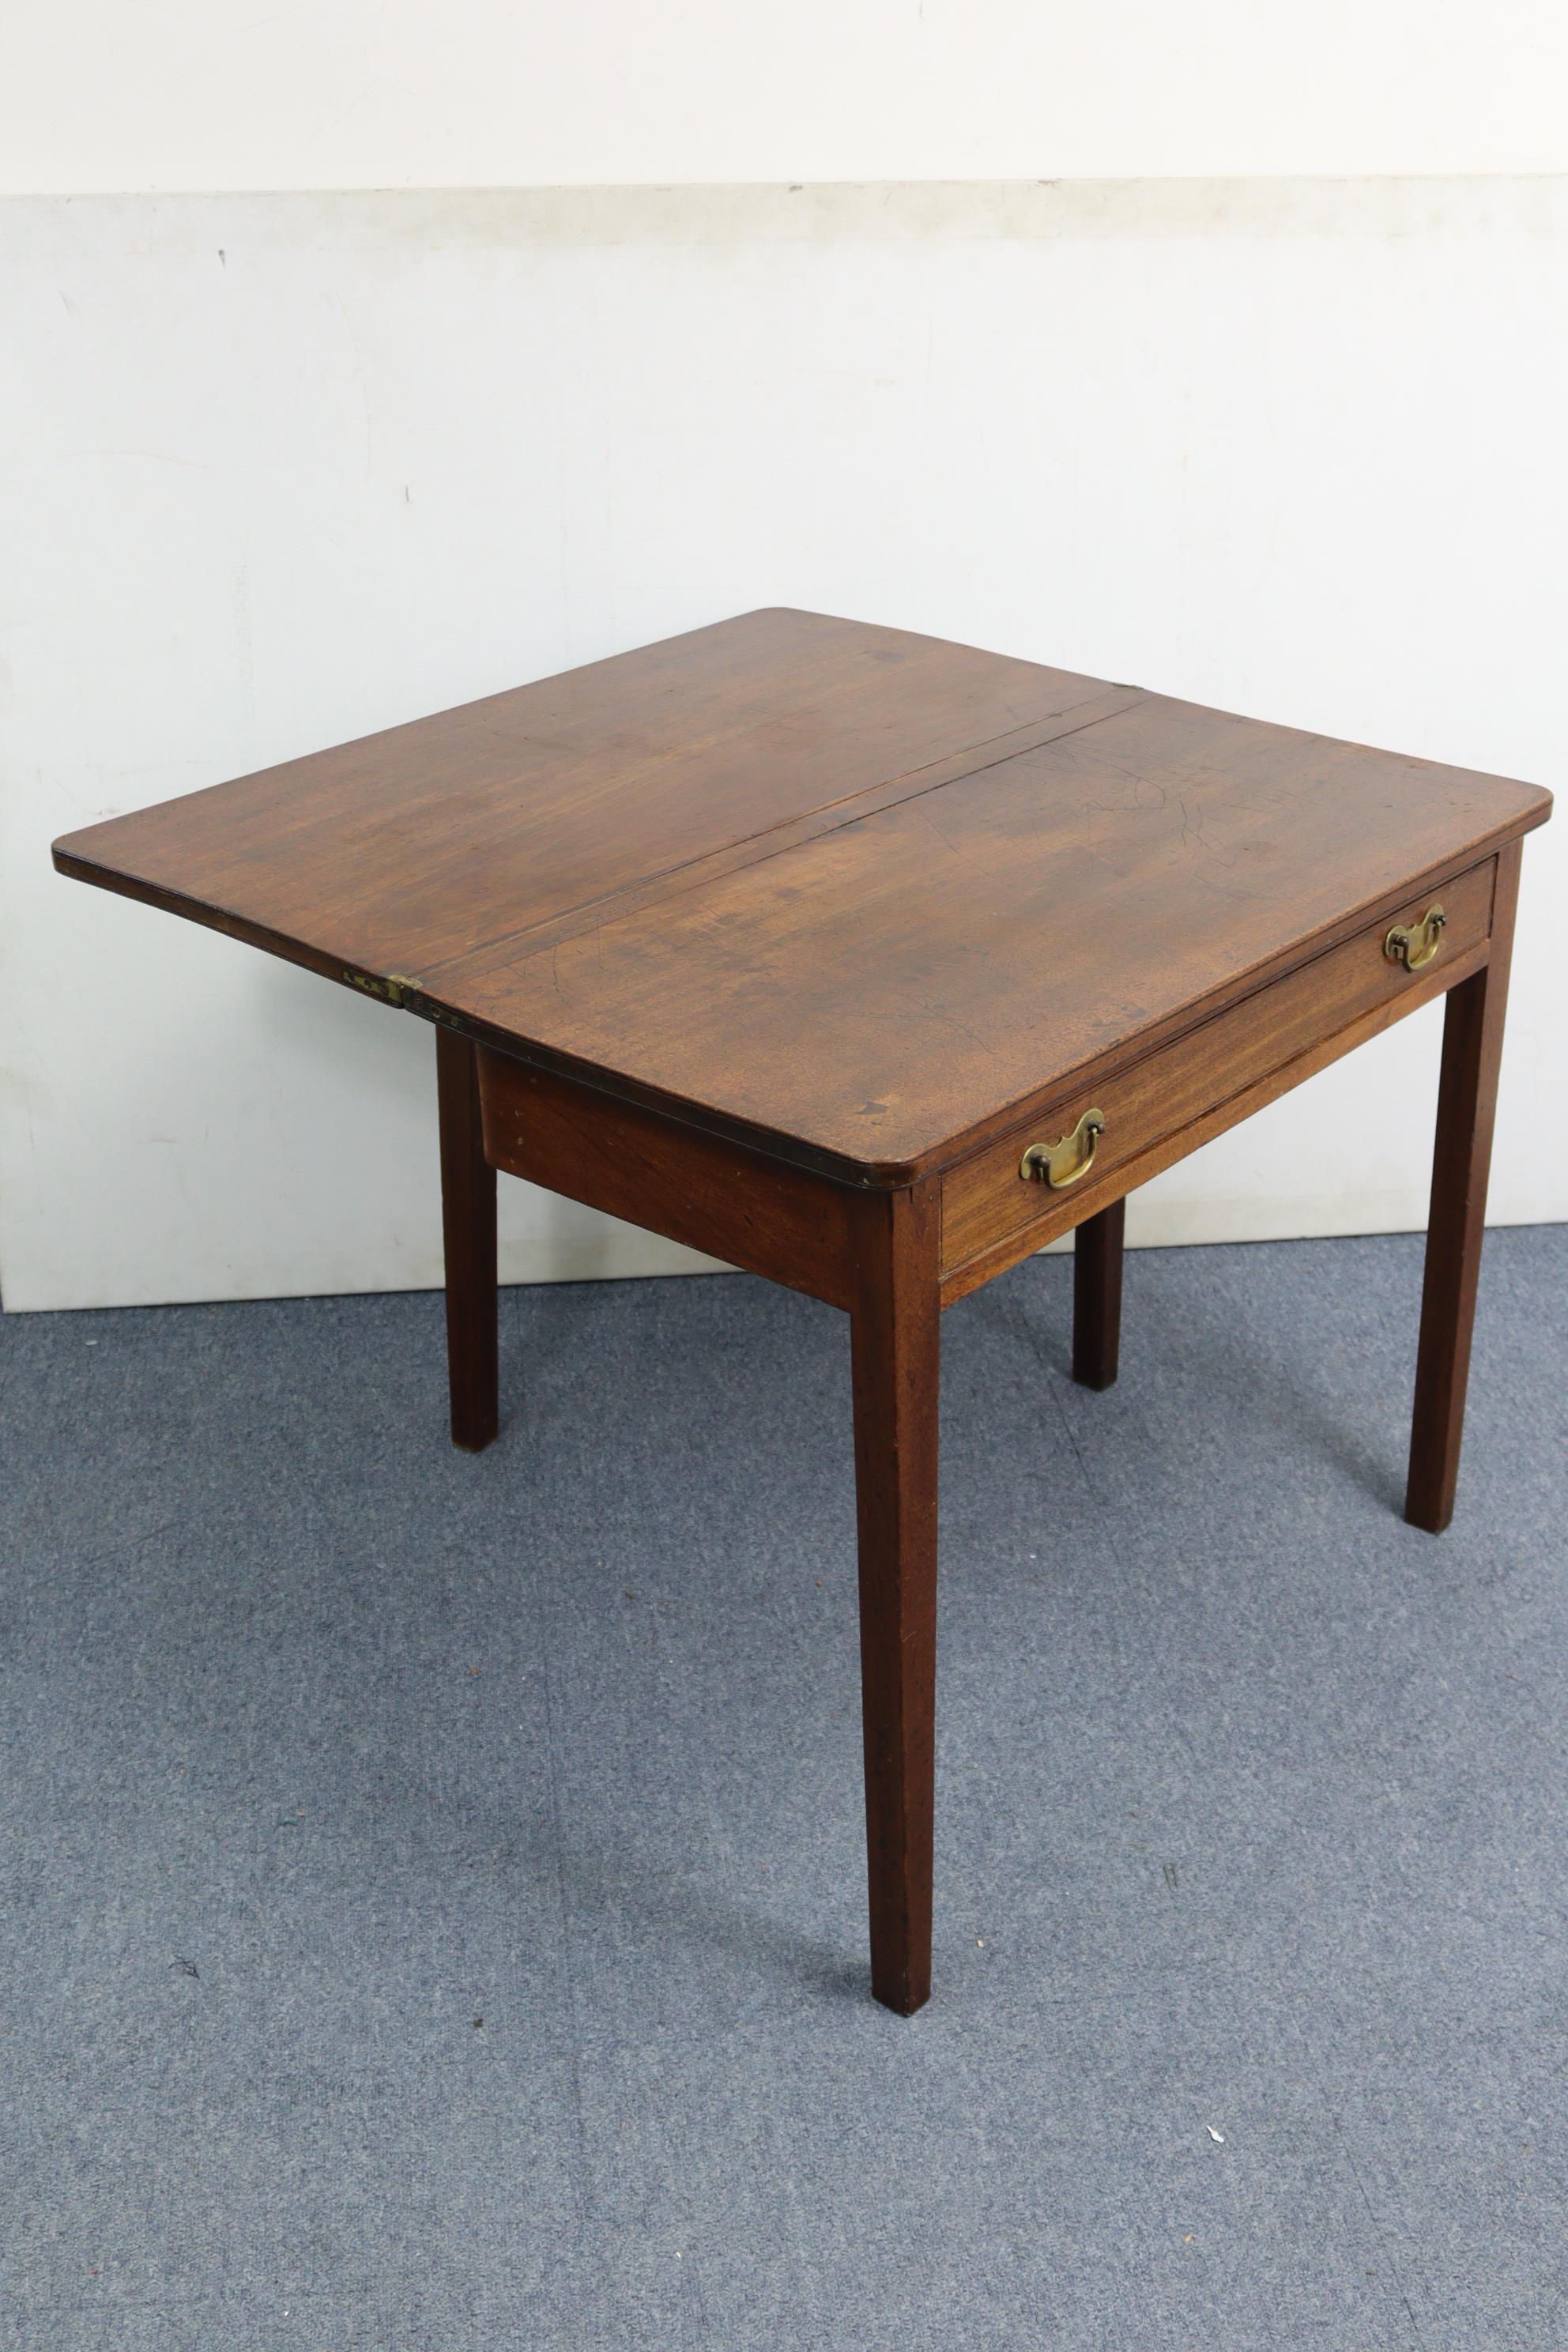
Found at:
<point>389,991</point>
<point>400,988</point>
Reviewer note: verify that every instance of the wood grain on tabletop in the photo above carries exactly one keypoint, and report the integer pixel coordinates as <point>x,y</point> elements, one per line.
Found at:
<point>848,888</point>
<point>407,848</point>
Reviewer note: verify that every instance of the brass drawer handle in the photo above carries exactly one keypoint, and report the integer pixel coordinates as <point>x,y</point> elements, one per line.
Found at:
<point>1418,944</point>
<point>1064,1163</point>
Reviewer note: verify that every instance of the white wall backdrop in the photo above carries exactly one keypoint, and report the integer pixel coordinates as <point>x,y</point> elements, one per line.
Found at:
<point>276,470</point>
<point>204,94</point>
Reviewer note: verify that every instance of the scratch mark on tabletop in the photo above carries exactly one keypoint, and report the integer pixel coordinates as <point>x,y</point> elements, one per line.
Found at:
<point>923,811</point>
<point>940,1012</point>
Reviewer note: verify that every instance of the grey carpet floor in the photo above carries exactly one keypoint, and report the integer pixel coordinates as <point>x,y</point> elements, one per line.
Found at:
<point>433,1887</point>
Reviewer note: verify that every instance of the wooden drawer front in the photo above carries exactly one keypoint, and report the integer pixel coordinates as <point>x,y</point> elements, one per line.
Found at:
<point>985,1200</point>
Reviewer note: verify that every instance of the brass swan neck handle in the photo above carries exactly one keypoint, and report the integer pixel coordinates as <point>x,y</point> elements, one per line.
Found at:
<point>1415,944</point>
<point>1069,1159</point>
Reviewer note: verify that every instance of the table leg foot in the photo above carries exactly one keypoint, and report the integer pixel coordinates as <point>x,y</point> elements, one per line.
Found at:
<point>468,1229</point>
<point>1097,1297</point>
<point>1467,1100</point>
<point>894,1344</point>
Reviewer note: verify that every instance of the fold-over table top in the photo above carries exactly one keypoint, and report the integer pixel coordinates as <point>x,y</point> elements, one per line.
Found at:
<point>842,890</point>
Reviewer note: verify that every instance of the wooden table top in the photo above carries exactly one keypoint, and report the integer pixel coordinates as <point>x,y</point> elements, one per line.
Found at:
<point>857,893</point>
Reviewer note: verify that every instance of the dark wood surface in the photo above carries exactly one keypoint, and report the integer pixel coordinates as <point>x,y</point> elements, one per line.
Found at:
<point>857,895</point>
<point>1098,1248</point>
<point>894,1338</point>
<point>1176,1095</point>
<point>711,1194</point>
<point>409,850</point>
<point>468,1232</point>
<point>1466,1103</point>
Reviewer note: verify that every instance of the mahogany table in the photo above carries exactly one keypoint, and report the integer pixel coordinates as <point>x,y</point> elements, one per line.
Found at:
<point>870,963</point>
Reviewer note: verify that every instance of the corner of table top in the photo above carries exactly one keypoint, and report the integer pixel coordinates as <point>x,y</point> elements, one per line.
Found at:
<point>1541,807</point>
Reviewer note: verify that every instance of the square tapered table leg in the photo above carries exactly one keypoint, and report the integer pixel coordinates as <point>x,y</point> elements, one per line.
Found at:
<point>1461,1163</point>
<point>894,1325</point>
<point>468,1230</point>
<point>1097,1297</point>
